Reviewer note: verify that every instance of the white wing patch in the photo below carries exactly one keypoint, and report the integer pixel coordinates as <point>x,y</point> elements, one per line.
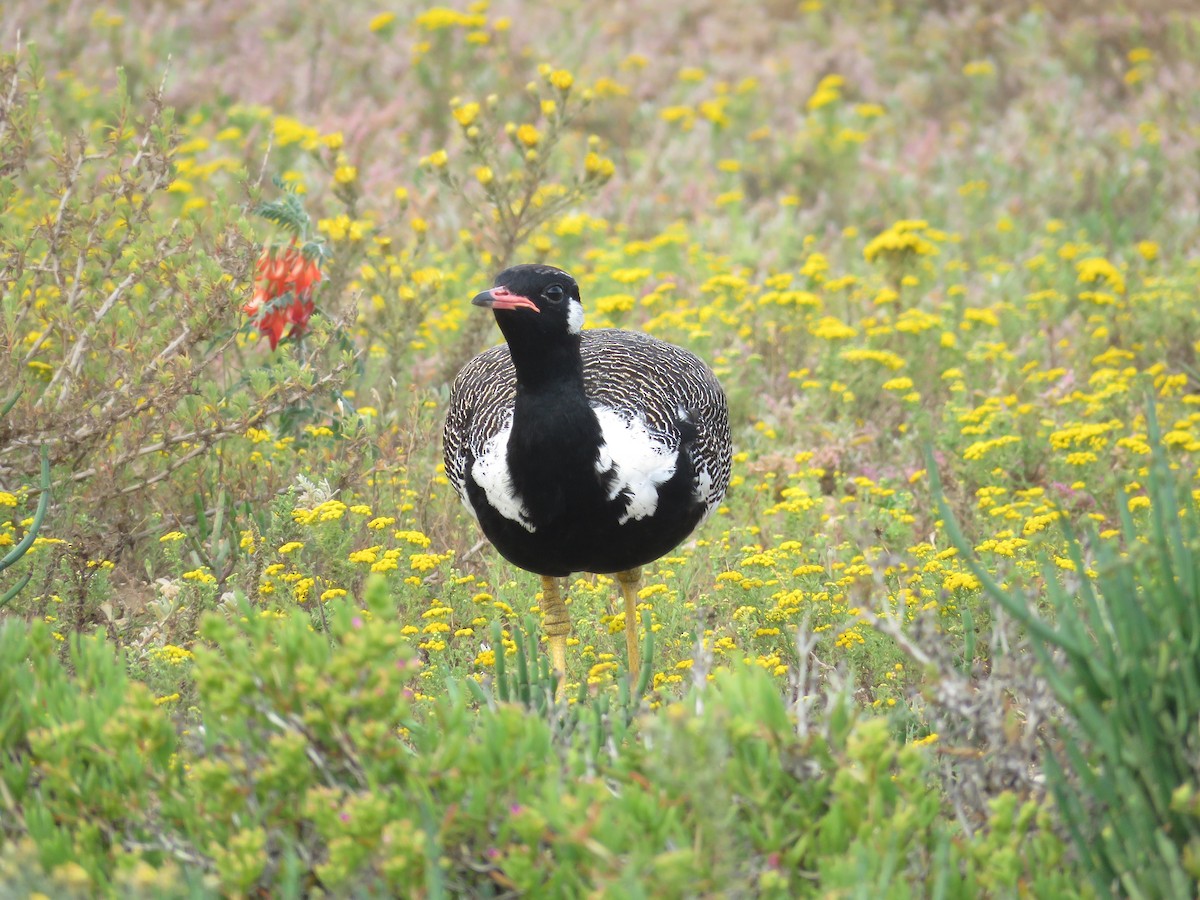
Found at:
<point>491,473</point>
<point>639,462</point>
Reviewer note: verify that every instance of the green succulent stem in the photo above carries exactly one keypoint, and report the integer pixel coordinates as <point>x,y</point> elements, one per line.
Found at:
<point>31,535</point>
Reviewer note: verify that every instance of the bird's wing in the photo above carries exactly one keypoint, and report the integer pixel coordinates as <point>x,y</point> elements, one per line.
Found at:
<point>671,393</point>
<point>481,402</point>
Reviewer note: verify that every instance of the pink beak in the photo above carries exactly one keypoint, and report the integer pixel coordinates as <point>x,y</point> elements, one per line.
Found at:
<point>501,298</point>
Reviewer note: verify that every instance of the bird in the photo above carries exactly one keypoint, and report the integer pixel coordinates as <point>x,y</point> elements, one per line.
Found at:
<point>582,451</point>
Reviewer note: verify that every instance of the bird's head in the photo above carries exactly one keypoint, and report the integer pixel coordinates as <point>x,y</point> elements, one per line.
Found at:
<point>535,301</point>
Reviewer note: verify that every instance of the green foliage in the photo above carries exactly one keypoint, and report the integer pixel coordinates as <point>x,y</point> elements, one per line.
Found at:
<point>1122,652</point>
<point>120,317</point>
<point>302,765</point>
<point>84,752</point>
<point>287,212</point>
<point>26,542</point>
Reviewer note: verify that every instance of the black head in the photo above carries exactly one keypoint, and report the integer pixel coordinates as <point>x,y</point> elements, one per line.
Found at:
<point>534,300</point>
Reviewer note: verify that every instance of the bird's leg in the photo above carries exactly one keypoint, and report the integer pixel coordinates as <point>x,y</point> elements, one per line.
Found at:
<point>630,579</point>
<point>556,622</point>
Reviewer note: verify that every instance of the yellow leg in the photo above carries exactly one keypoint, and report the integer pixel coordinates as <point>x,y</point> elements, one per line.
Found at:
<point>630,579</point>
<point>556,622</point>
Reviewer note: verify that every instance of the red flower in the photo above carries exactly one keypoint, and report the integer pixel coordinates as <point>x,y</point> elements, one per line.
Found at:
<point>283,286</point>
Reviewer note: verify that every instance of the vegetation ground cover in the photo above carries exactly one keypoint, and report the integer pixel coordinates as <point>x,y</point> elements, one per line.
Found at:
<point>940,638</point>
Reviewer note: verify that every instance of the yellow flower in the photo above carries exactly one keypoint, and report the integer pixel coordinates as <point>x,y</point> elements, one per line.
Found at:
<point>466,114</point>
<point>485,659</point>
<point>611,303</point>
<point>1034,524</point>
<point>827,91</point>
<point>964,581</point>
<point>343,228</point>
<point>684,115</point>
<point>484,175</point>
<point>607,87</point>
<point>172,654</point>
<point>823,97</point>
<point>345,174</point>
<point>714,110</point>
<point>381,21</point>
<point>166,538</point>
<point>979,68</point>
<point>436,160</point>
<point>290,131</point>
<point>901,240</point>
<point>423,562</point>
<point>979,449</point>
<point>1097,268</point>
<point>598,167</point>
<point>561,79</point>
<point>828,328</point>
<point>200,575</point>
<point>440,17</point>
<point>416,538</point>
<point>885,358</point>
<point>528,135</point>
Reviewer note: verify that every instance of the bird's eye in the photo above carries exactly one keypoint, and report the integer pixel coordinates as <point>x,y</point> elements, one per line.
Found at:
<point>554,293</point>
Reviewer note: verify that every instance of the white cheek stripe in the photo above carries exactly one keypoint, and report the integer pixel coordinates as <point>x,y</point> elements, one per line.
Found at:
<point>574,316</point>
<point>491,473</point>
<point>638,461</point>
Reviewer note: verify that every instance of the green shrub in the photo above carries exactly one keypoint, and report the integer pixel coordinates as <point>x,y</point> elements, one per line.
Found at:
<point>85,752</point>
<point>301,764</point>
<point>124,340</point>
<point>1120,646</point>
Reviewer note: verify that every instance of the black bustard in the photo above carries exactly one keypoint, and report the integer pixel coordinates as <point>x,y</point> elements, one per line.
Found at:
<point>582,451</point>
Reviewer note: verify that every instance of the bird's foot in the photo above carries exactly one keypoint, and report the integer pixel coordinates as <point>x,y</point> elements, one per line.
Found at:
<point>556,622</point>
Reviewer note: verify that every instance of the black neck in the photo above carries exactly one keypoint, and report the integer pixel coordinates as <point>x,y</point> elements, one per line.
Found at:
<point>555,434</point>
<point>544,362</point>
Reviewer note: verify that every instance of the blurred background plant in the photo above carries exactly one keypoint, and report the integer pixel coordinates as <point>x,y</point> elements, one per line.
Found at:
<point>885,228</point>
